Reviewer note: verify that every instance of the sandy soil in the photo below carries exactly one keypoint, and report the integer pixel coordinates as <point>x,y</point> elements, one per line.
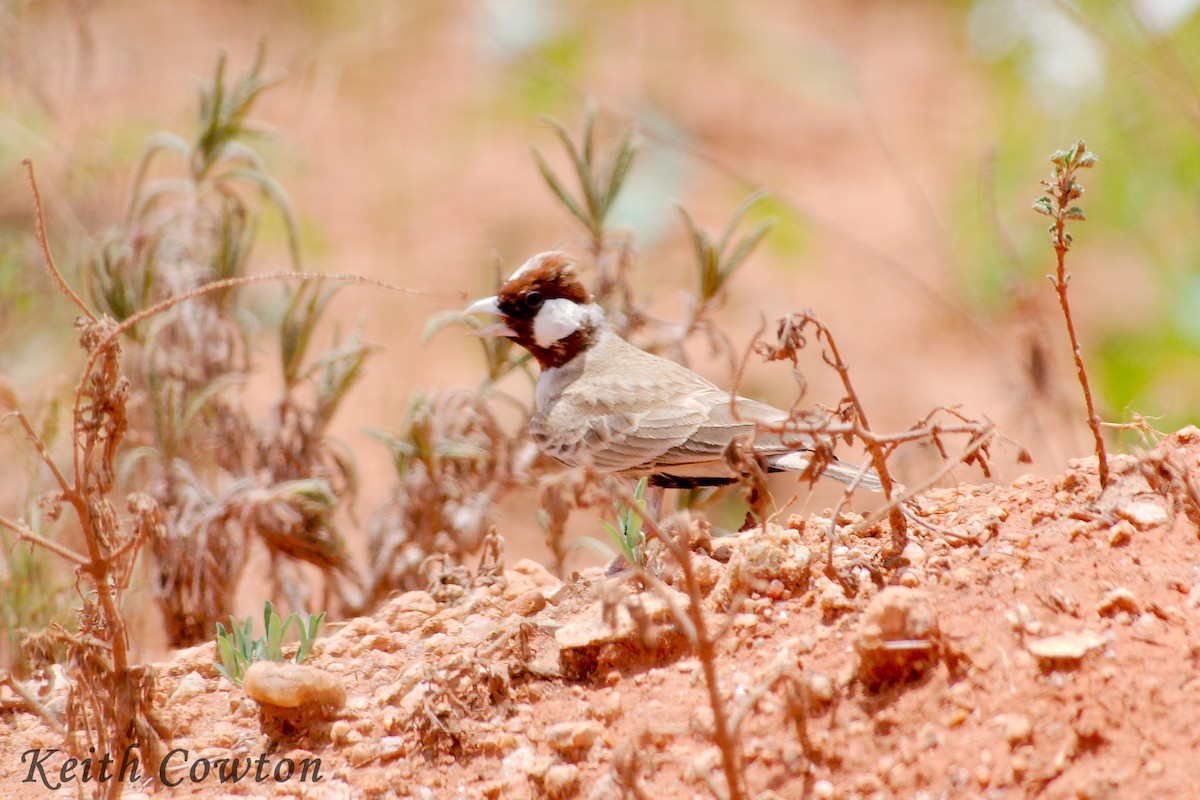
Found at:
<point>1042,645</point>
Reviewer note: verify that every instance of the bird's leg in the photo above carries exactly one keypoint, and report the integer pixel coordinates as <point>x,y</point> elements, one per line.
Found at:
<point>654,498</point>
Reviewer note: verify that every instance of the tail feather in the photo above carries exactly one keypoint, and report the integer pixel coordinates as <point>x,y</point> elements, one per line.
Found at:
<point>859,477</point>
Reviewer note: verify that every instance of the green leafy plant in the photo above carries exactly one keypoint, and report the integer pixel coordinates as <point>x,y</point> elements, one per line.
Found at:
<point>716,260</point>
<point>627,534</point>
<point>599,182</point>
<point>238,649</point>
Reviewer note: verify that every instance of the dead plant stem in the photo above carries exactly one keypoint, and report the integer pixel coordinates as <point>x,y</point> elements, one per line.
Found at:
<point>29,535</point>
<point>897,502</point>
<point>878,458</point>
<point>723,735</point>
<point>51,267</point>
<point>1060,286</point>
<point>29,701</point>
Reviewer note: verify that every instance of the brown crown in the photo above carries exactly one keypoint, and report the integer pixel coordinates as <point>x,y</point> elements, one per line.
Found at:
<point>552,276</point>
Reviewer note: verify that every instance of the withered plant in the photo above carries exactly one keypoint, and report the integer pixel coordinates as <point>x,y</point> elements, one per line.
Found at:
<point>219,476</point>
<point>453,461</point>
<point>108,704</point>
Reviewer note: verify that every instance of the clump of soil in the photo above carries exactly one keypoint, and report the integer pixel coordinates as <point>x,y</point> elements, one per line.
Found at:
<point>1042,644</point>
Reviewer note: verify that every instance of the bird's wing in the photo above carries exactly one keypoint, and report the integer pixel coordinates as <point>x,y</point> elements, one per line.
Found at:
<point>725,420</point>
<point>626,430</point>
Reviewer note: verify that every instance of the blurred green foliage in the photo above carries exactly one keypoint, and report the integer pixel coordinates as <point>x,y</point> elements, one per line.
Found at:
<point>1141,114</point>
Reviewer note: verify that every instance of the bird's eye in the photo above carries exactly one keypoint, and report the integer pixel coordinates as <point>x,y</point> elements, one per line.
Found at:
<point>533,301</point>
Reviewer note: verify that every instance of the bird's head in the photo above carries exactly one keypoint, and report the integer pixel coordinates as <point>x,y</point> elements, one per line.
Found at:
<point>543,307</point>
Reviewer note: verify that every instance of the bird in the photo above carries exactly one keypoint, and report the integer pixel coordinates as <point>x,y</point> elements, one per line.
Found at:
<point>606,404</point>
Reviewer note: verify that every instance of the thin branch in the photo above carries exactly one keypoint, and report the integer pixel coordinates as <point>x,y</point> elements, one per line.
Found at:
<point>896,502</point>
<point>30,702</point>
<point>32,536</point>
<point>55,275</point>
<point>41,447</point>
<point>228,283</point>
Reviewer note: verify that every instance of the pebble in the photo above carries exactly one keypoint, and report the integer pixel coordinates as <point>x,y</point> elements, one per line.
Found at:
<point>190,686</point>
<point>745,622</point>
<point>820,688</point>
<point>1016,728</point>
<point>1121,533</point>
<point>1142,514</point>
<point>561,781</point>
<point>566,737</point>
<point>1118,600</point>
<point>1065,647</point>
<point>898,636</point>
<point>287,685</point>
<point>391,747</point>
<point>528,604</point>
<point>360,754</point>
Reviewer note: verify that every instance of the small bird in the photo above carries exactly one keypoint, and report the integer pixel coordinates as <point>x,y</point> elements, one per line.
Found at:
<point>604,403</point>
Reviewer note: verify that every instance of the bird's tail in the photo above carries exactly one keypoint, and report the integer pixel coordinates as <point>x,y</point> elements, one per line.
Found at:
<point>859,477</point>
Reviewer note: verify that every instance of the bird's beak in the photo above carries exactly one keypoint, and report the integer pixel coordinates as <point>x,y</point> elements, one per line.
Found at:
<point>488,306</point>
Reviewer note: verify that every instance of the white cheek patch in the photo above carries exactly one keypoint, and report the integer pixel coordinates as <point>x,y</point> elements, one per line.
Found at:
<point>559,318</point>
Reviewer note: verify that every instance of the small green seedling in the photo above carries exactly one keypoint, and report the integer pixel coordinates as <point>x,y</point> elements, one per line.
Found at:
<point>627,534</point>
<point>238,648</point>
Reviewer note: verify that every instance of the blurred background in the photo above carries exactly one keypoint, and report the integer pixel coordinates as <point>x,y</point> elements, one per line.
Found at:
<point>901,145</point>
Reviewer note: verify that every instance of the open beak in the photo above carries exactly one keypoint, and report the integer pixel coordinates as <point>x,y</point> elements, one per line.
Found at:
<point>488,306</point>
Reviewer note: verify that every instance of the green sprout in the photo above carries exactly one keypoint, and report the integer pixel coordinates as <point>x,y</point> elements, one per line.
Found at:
<point>238,648</point>
<point>627,534</point>
<point>599,183</point>
<point>716,260</point>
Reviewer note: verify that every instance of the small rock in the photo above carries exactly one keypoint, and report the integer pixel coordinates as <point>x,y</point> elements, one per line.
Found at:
<point>898,638</point>
<point>914,554</point>
<point>391,747</point>
<point>538,575</point>
<point>1016,728</point>
<point>190,686</point>
<point>573,737</point>
<point>831,597</point>
<point>1065,648</point>
<point>1116,601</point>
<point>339,732</point>
<point>528,604</point>
<point>820,689</point>
<point>760,556</point>
<point>361,754</point>
<point>1142,514</point>
<point>561,781</point>
<point>1121,533</point>
<point>640,629</point>
<point>286,685</point>
<point>746,622</point>
<point>708,572</point>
